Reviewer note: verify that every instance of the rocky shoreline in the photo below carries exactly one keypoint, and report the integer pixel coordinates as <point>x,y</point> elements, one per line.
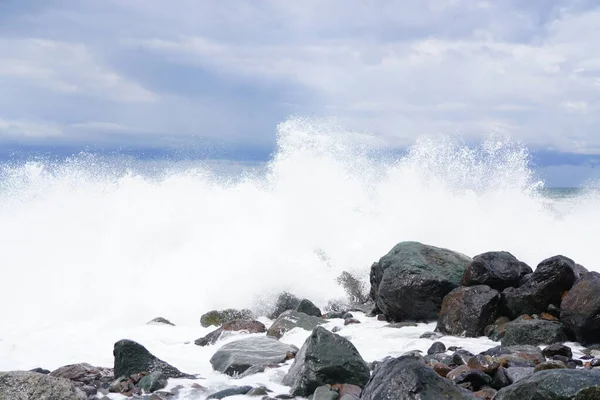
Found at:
<point>532,313</point>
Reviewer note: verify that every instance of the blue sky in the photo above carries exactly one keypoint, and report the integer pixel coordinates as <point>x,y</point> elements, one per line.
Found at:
<point>222,74</point>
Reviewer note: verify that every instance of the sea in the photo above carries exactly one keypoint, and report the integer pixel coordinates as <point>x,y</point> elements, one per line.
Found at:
<point>94,246</point>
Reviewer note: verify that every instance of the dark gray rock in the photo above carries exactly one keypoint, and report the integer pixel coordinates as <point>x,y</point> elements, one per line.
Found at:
<point>307,307</point>
<point>160,321</point>
<point>247,326</point>
<point>558,384</point>
<point>534,332</point>
<point>410,282</point>
<point>236,357</point>
<point>461,357</point>
<point>546,286</point>
<point>552,364</point>
<point>589,393</point>
<point>530,355</point>
<point>325,358</point>
<point>259,391</point>
<point>515,374</point>
<point>580,309</point>
<point>218,318</point>
<point>285,301</point>
<point>437,347</point>
<point>557,349</point>
<point>85,376</point>
<point>234,391</point>
<point>21,385</point>
<point>408,378</point>
<point>338,314</point>
<point>152,382</point>
<point>500,379</point>
<point>325,393</point>
<point>464,374</point>
<point>468,310</point>
<point>132,358</point>
<point>291,319</point>
<point>40,371</point>
<point>496,269</point>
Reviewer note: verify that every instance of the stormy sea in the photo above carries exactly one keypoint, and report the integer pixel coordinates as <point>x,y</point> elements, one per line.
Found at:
<point>95,246</point>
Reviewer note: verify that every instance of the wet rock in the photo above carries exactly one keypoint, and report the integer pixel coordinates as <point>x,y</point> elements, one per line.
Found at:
<point>515,374</point>
<point>534,332</point>
<point>557,349</point>
<point>589,393</point>
<point>152,382</point>
<point>546,286</point>
<point>508,355</point>
<point>483,363</point>
<point>580,309</point>
<point>291,319</point>
<point>21,385</point>
<point>325,358</point>
<point>40,371</point>
<point>429,335</point>
<point>468,310</point>
<point>407,378</point>
<point>410,282</point>
<point>234,391</point>
<point>218,318</point>
<point>354,288</point>
<point>497,330</point>
<point>160,321</point>
<point>461,357</point>
<point>132,358</point>
<point>497,269</point>
<point>485,394</point>
<point>441,369</point>
<point>286,301</point>
<point>247,326</point>
<point>236,357</point>
<point>410,324</point>
<point>559,384</point>
<point>337,314</point>
<point>326,393</point>
<point>437,347</point>
<point>464,374</point>
<point>552,364</point>
<point>307,307</point>
<point>259,391</point>
<point>85,376</point>
<point>500,379</point>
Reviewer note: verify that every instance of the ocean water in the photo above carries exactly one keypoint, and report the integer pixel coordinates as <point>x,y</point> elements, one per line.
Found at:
<point>94,247</point>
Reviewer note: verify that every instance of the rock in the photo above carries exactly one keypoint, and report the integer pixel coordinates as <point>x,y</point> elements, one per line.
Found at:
<point>580,309</point>
<point>530,355</point>
<point>326,393</point>
<point>483,363</point>
<point>427,335</point>
<point>437,347</point>
<point>515,374</point>
<point>441,369</point>
<point>534,332</point>
<point>236,357</point>
<point>500,379</point>
<point>496,331</point>
<point>546,286</point>
<point>218,318</point>
<point>132,358</point>
<point>485,394</point>
<point>464,374</point>
<point>552,364</point>
<point>325,358</point>
<point>234,391</point>
<point>21,385</point>
<point>468,310</point>
<point>247,326</point>
<point>337,314</point>
<point>293,319</point>
<point>40,371</point>
<point>152,382</point>
<point>407,378</point>
<point>496,269</point>
<point>557,349</point>
<point>85,376</point>
<point>286,301</point>
<point>347,389</point>
<point>410,281</point>
<point>160,321</point>
<point>307,307</point>
<point>461,357</point>
<point>259,391</point>
<point>351,321</point>
<point>589,393</point>
<point>411,324</point>
<point>558,384</point>
<point>354,288</point>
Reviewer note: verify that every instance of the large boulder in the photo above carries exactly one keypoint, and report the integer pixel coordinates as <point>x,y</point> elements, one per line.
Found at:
<point>468,310</point>
<point>236,357</point>
<point>580,309</point>
<point>21,385</point>
<point>557,384</point>
<point>307,307</point>
<point>325,358</point>
<point>285,301</point>
<point>496,269</point>
<point>218,318</point>
<point>86,377</point>
<point>534,332</point>
<point>132,358</point>
<point>293,319</point>
<point>410,282</point>
<point>231,326</point>
<point>408,378</point>
<point>546,286</point>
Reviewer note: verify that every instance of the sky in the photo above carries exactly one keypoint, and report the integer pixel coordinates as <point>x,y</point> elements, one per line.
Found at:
<point>223,74</point>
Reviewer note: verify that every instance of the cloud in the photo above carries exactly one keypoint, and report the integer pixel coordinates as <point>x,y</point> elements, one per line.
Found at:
<point>232,70</point>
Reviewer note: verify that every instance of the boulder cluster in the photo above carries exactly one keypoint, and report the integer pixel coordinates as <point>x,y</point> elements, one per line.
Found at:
<point>531,313</point>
